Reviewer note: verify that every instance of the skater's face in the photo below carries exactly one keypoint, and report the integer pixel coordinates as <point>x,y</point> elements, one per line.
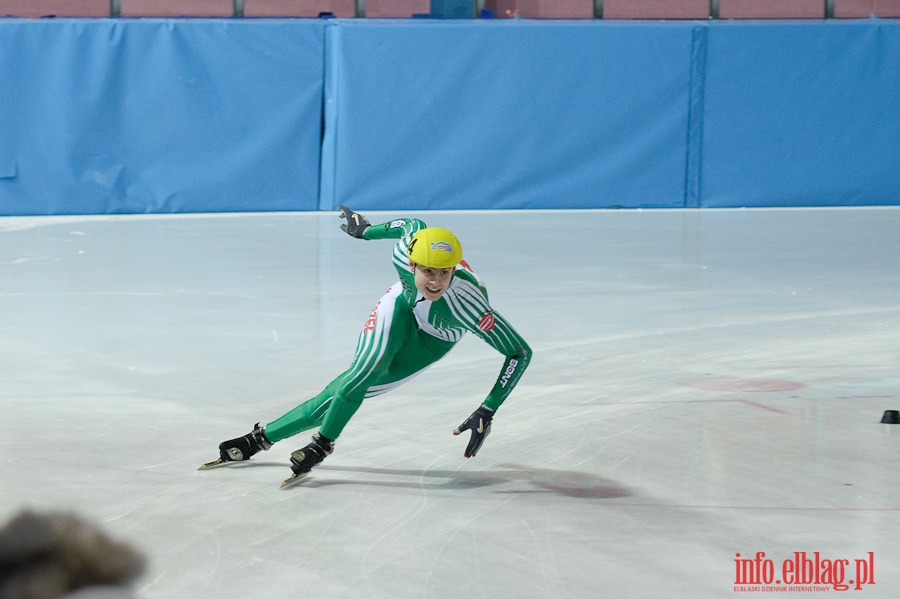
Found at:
<point>432,282</point>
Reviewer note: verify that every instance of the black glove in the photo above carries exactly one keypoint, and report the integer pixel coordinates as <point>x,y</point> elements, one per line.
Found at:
<point>480,425</point>
<point>356,223</point>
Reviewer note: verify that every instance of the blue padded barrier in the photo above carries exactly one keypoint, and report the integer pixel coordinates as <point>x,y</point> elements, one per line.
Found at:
<point>507,114</point>
<point>155,115</point>
<point>193,115</point>
<point>802,114</point>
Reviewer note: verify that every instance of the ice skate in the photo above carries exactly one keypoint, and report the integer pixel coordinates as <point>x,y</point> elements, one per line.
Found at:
<point>290,481</point>
<point>213,464</point>
<point>303,460</point>
<point>240,449</point>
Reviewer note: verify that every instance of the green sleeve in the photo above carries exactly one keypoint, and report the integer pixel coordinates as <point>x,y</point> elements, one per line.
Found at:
<point>504,338</point>
<point>394,229</point>
<point>475,313</point>
<point>402,229</point>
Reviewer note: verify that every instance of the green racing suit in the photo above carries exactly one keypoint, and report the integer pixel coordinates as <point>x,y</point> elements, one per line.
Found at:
<point>403,336</point>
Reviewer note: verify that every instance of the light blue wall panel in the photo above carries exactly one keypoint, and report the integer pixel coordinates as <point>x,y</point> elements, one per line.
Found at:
<point>156,115</point>
<point>506,114</point>
<point>802,114</point>
<point>192,115</point>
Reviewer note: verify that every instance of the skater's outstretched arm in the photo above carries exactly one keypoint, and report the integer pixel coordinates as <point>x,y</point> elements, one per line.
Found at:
<point>504,338</point>
<point>518,355</point>
<point>470,306</point>
<point>403,229</point>
<point>359,226</point>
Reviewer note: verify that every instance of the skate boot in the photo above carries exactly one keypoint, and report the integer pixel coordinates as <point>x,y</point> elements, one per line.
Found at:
<point>303,460</point>
<point>242,448</point>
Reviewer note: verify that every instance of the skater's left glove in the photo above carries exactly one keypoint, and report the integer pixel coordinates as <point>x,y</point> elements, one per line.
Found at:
<point>480,425</point>
<point>356,224</point>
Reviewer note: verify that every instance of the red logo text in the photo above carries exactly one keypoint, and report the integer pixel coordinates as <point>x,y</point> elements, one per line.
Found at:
<point>811,571</point>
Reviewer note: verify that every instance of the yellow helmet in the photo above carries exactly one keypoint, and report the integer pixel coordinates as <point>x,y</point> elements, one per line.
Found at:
<point>435,248</point>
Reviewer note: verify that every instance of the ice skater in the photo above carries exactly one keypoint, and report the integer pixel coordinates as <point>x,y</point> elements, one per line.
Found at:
<point>414,324</point>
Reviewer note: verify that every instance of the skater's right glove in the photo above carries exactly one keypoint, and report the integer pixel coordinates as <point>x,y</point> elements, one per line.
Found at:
<point>480,425</point>
<point>356,224</point>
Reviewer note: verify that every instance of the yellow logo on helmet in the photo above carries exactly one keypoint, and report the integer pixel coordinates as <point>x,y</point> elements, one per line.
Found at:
<point>435,248</point>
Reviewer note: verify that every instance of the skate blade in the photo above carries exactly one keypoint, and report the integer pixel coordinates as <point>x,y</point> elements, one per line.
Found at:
<point>212,464</point>
<point>288,482</point>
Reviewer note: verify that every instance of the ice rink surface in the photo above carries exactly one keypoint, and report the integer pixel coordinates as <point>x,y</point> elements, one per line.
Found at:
<point>705,383</point>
